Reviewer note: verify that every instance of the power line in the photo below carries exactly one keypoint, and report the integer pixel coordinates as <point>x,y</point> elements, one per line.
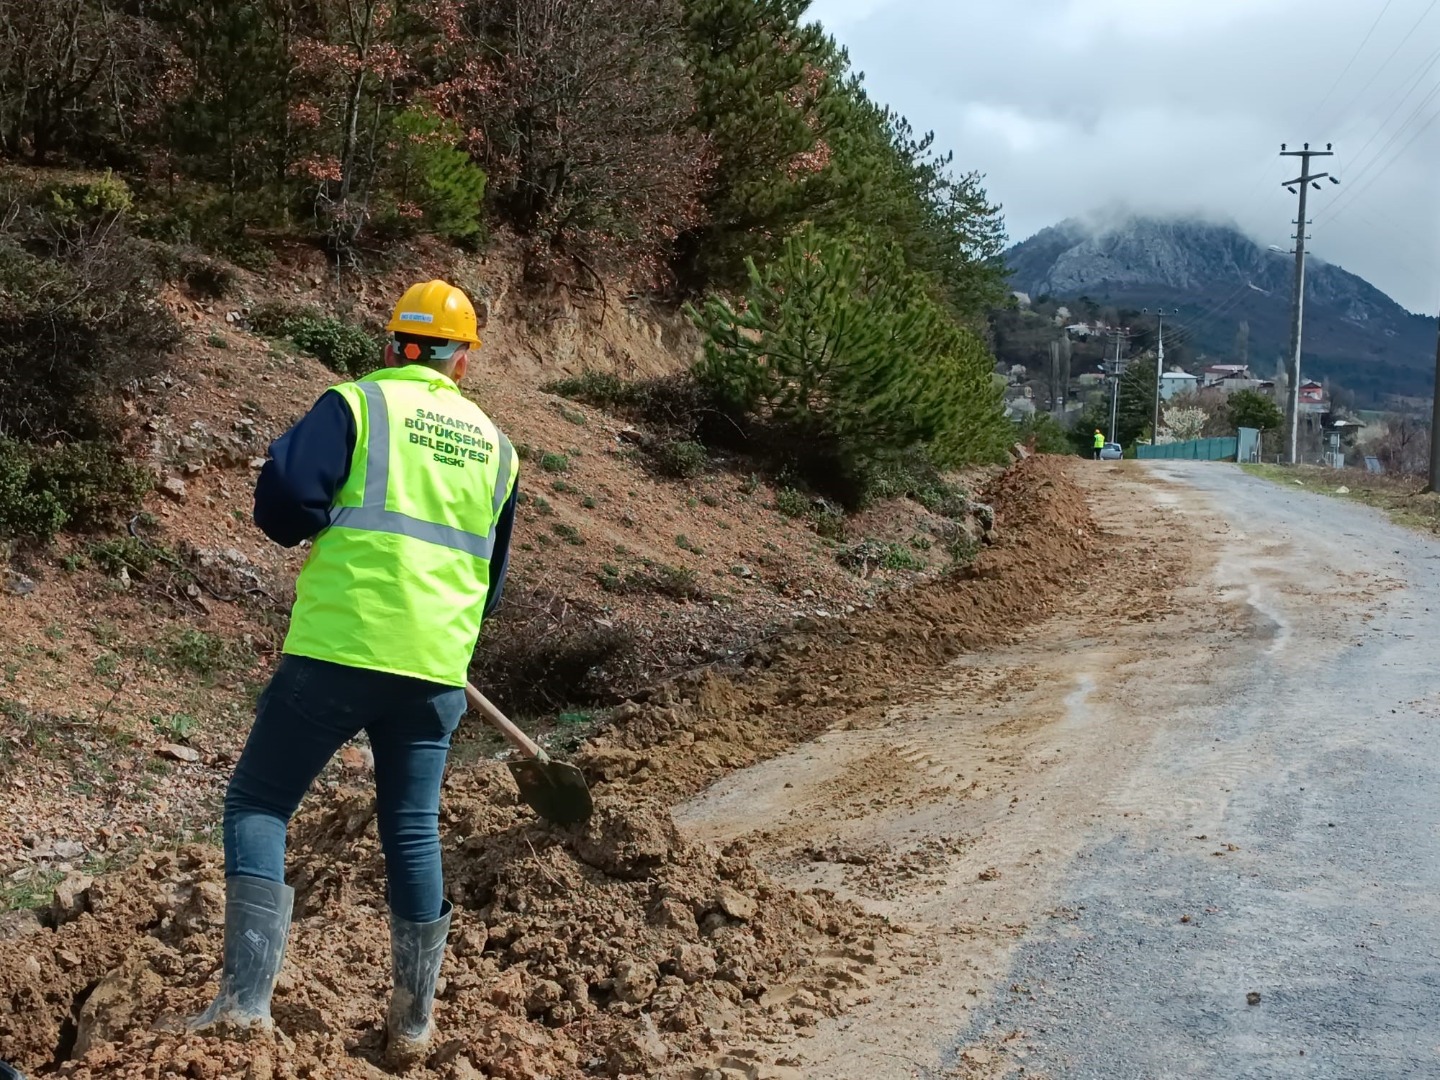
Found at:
<point>1354,192</point>
<point>1192,327</point>
<point>1425,265</point>
<point>1354,56</point>
<point>1380,130</point>
<point>1394,53</point>
<point>1410,85</point>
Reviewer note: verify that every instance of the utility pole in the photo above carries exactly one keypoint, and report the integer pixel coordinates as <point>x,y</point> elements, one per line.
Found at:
<point>1297,309</point>
<point>1435,427</point>
<point>1160,315</point>
<point>1117,368</point>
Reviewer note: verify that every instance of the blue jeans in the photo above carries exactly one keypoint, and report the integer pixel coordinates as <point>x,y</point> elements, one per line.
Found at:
<point>309,711</point>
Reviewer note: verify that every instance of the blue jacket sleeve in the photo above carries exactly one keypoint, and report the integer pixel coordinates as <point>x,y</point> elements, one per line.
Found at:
<point>308,465</point>
<point>500,557</point>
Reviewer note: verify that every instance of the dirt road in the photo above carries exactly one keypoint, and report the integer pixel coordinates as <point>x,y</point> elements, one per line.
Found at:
<point>1213,778</point>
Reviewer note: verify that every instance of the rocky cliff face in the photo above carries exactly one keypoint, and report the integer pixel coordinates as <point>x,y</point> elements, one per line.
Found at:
<point>1217,276</point>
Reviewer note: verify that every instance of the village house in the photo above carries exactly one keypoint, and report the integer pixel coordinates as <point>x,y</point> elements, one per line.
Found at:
<point>1175,382</point>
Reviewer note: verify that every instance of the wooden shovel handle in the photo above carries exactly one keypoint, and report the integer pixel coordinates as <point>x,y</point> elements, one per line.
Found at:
<point>518,739</point>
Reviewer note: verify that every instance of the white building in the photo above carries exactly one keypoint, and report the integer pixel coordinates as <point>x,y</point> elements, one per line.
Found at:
<point>1177,382</point>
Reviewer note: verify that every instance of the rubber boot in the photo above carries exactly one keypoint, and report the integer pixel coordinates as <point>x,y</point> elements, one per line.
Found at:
<point>416,952</point>
<point>257,925</point>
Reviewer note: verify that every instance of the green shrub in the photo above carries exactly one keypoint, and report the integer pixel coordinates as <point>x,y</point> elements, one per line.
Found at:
<point>178,727</point>
<point>672,581</point>
<point>276,318</point>
<point>80,324</point>
<point>552,462</point>
<point>122,552</point>
<point>681,459</point>
<point>899,557</point>
<point>829,522</point>
<point>342,347</point>
<point>659,578</point>
<point>598,388</point>
<point>245,252</point>
<point>869,553</point>
<point>83,486</point>
<point>792,503</point>
<point>963,549</point>
<point>200,652</point>
<point>1044,434</point>
<point>94,483</point>
<point>26,509</point>
<point>86,202</point>
<point>568,533</point>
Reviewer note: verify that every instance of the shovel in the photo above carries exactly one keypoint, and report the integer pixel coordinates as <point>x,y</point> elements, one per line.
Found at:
<point>554,790</point>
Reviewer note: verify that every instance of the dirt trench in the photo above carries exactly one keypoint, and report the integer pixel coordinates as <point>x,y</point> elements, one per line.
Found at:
<point>617,949</point>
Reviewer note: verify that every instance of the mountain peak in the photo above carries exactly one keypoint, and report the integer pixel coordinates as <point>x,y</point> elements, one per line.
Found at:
<point>1218,277</point>
<point>1119,252</point>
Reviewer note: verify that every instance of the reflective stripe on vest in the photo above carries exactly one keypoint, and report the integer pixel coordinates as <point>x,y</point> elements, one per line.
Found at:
<point>371,515</point>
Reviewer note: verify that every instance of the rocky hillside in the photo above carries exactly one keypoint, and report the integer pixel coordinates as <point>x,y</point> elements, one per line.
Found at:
<point>1218,277</point>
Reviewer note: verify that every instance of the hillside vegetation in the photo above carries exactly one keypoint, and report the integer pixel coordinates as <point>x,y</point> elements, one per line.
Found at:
<point>683,147</point>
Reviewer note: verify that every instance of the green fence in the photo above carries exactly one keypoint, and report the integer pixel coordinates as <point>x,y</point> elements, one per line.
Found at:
<point>1195,450</point>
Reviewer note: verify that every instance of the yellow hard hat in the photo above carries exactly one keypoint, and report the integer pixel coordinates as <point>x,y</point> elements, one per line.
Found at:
<point>435,309</point>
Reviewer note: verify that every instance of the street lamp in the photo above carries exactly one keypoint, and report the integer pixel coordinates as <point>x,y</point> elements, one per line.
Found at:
<point>1161,314</point>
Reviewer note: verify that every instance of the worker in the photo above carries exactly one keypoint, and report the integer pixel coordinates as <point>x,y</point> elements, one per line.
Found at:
<point>1099,443</point>
<point>407,490</point>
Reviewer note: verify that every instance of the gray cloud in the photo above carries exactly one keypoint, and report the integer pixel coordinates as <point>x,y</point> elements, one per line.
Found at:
<point>1179,106</point>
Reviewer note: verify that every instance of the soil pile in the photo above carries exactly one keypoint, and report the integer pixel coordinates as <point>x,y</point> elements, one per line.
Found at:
<point>691,731</point>
<point>614,949</point>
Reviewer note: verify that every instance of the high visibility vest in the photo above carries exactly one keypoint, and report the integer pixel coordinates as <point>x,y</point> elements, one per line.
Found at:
<point>397,581</point>
<point>1099,441</point>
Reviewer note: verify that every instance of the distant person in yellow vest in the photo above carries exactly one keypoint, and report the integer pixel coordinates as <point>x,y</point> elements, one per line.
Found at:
<point>1099,443</point>
<point>408,491</point>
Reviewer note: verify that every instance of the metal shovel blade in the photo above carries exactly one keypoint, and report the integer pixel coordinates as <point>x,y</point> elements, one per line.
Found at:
<point>554,790</point>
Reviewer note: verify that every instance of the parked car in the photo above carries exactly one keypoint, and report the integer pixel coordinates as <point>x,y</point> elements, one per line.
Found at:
<point>1111,451</point>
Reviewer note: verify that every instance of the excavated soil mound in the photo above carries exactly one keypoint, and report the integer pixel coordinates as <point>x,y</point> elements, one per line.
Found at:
<point>695,729</point>
<point>615,949</point>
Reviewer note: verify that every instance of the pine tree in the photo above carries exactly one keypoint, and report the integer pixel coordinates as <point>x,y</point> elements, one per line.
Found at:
<point>762,103</point>
<point>843,346</point>
<point>431,175</point>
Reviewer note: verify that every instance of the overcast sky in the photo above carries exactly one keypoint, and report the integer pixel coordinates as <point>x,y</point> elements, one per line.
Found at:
<point>1077,106</point>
